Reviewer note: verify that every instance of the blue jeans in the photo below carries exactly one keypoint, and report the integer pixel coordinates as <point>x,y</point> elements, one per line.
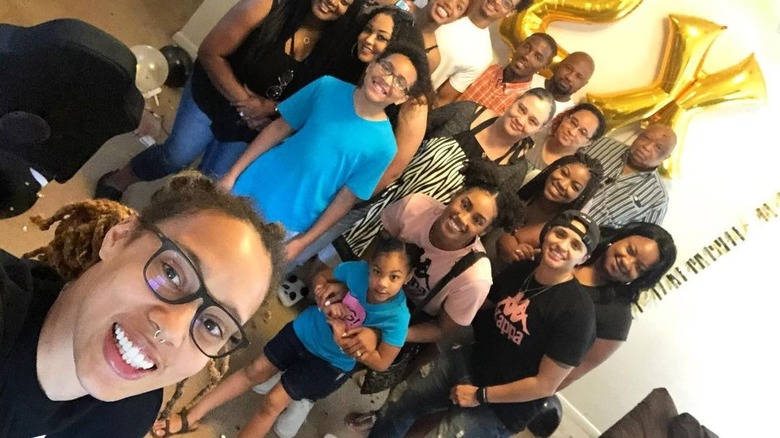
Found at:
<point>191,137</point>
<point>428,391</point>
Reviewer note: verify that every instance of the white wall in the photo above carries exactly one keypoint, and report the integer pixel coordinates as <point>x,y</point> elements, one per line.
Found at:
<point>201,22</point>
<point>710,342</point>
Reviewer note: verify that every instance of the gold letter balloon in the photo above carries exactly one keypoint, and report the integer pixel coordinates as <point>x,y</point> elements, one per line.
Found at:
<point>681,88</point>
<point>519,26</point>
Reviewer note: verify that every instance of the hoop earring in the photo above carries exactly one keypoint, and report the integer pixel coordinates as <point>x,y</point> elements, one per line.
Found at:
<point>157,336</point>
<point>353,51</point>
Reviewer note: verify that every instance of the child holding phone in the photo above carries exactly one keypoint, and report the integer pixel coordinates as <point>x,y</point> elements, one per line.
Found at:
<point>355,293</point>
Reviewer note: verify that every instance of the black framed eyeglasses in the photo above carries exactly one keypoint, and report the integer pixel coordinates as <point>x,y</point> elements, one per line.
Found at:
<point>274,92</point>
<point>397,81</point>
<point>173,278</point>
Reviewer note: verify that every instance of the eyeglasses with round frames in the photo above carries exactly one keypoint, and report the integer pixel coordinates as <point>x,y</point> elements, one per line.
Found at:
<point>397,82</point>
<point>173,278</point>
<point>581,131</point>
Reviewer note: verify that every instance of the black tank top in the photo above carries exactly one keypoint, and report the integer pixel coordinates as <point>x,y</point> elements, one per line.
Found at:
<point>513,171</point>
<point>226,123</point>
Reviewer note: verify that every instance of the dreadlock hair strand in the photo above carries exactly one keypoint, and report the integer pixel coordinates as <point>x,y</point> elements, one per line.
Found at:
<point>79,235</point>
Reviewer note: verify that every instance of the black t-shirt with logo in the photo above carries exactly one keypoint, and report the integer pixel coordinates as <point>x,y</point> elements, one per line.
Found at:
<point>512,338</point>
<point>27,291</point>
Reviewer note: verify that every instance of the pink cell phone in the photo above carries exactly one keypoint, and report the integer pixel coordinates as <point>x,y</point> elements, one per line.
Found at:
<point>357,314</point>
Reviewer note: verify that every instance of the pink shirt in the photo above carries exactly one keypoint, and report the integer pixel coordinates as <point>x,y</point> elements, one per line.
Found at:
<point>410,219</point>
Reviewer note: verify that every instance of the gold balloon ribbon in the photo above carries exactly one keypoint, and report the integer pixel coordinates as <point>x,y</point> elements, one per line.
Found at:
<point>520,25</point>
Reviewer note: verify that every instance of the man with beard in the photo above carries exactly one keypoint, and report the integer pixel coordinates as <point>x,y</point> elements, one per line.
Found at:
<point>570,76</point>
<point>500,85</point>
<point>465,49</point>
<point>632,189</point>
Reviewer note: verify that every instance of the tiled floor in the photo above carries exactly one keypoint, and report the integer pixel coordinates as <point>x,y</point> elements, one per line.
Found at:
<point>153,22</point>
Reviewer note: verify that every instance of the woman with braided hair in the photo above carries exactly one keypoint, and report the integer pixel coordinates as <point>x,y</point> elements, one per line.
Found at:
<point>121,305</point>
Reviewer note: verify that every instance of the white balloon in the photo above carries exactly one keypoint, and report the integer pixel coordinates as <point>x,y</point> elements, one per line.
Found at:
<point>151,70</point>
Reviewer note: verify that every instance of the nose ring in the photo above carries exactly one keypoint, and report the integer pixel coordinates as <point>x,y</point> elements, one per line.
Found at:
<point>157,336</point>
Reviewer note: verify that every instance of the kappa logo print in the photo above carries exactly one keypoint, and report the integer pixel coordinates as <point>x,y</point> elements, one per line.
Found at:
<point>511,317</point>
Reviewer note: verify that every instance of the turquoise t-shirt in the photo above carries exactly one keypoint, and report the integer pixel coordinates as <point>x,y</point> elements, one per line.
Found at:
<point>331,147</point>
<point>390,317</point>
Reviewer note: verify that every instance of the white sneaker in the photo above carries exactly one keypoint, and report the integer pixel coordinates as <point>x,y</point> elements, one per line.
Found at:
<point>265,387</point>
<point>290,421</point>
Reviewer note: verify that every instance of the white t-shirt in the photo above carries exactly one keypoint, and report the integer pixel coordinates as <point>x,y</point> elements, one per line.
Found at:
<point>410,219</point>
<point>537,81</point>
<point>465,52</point>
<point>563,106</point>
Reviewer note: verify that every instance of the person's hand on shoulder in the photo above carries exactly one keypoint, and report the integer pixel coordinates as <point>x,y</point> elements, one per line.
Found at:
<point>227,182</point>
<point>510,250</point>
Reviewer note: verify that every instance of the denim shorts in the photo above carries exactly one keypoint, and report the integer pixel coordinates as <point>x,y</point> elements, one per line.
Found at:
<point>305,375</point>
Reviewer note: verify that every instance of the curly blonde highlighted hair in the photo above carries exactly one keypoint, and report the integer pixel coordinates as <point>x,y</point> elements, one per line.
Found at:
<point>79,235</point>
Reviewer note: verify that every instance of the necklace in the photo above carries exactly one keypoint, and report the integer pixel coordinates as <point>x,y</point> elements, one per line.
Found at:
<point>535,292</point>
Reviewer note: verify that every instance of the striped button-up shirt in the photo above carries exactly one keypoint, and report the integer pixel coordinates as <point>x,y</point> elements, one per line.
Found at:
<point>626,198</point>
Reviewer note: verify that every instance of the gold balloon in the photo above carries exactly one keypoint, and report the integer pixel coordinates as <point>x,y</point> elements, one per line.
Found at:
<point>739,83</point>
<point>520,25</point>
<point>687,43</point>
<point>626,107</point>
<point>681,88</point>
<point>685,48</point>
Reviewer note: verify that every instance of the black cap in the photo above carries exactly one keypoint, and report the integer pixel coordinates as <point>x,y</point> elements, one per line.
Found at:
<point>590,237</point>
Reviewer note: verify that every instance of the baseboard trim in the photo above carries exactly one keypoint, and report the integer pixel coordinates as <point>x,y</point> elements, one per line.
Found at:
<point>576,416</point>
<point>182,41</point>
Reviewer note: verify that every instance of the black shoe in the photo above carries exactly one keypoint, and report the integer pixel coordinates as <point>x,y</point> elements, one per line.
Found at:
<point>105,191</point>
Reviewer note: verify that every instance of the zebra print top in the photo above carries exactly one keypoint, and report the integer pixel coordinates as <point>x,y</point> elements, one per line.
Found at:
<point>435,170</point>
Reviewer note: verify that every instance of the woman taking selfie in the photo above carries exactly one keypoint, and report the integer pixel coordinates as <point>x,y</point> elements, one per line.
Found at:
<point>149,299</point>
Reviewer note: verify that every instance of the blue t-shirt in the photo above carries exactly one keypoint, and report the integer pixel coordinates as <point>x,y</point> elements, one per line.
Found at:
<point>332,147</point>
<point>390,317</point>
